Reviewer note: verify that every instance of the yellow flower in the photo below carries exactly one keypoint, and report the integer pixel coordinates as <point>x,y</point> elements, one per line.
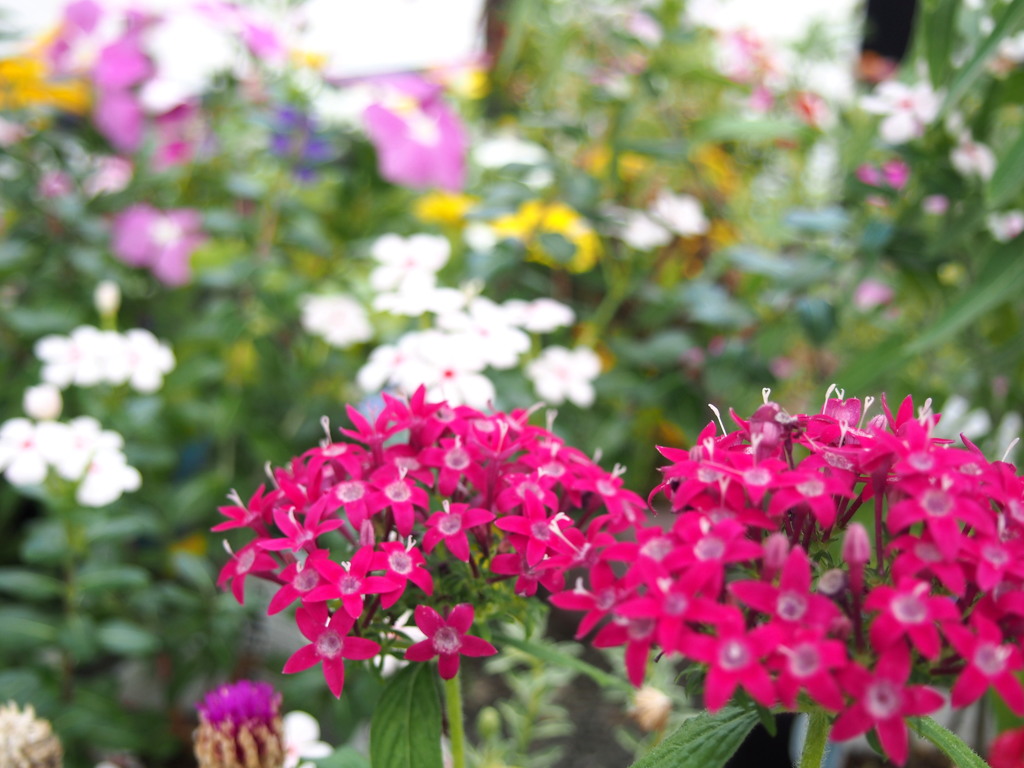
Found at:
<point>24,83</point>
<point>444,208</point>
<point>631,164</point>
<point>715,163</point>
<point>536,217</point>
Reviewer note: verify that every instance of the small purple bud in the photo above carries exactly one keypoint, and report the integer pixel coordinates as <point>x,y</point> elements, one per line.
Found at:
<point>776,550</point>
<point>856,545</point>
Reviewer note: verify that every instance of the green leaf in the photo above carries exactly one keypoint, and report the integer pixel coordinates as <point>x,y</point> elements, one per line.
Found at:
<point>27,584</point>
<point>939,30</point>
<point>1008,179</point>
<point>405,731</point>
<point>705,741</point>
<point>948,742</point>
<point>115,577</point>
<point>563,660</point>
<point>726,128</point>
<point>344,757</point>
<point>122,637</point>
<point>963,80</point>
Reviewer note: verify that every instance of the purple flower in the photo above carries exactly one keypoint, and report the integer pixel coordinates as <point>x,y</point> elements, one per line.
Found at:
<point>295,138</point>
<point>163,241</point>
<point>118,116</point>
<point>241,703</point>
<point>420,141</point>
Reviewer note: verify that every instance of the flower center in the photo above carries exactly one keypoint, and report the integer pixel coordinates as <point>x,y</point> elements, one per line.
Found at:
<point>882,700</point>
<point>246,560</point>
<point>757,476</point>
<point>811,488</point>
<point>400,562</point>
<point>708,475</point>
<point>990,658</point>
<point>908,609</point>
<point>676,604</point>
<point>936,503</point>
<point>398,492</point>
<point>605,487</point>
<point>791,606</point>
<point>995,555</point>
<point>804,661</point>
<point>656,548</point>
<point>457,458</point>
<point>446,640</point>
<point>450,524</point>
<point>921,461</point>
<point>640,629</point>
<point>733,655</point>
<point>329,645</point>
<point>927,552</point>
<point>349,491</point>
<point>166,233</point>
<point>349,585</point>
<point>709,548</point>
<point>540,531</point>
<point>305,580</point>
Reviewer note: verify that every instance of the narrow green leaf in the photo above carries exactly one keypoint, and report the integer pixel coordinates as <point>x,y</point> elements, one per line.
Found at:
<point>28,585</point>
<point>405,731</point>
<point>939,29</point>
<point>948,742</point>
<point>123,637</point>
<point>999,281</point>
<point>705,741</point>
<point>564,660</point>
<point>964,79</point>
<point>1008,179</point>
<point>115,577</point>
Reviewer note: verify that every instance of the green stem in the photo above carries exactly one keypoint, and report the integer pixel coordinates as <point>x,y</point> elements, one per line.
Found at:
<point>816,742</point>
<point>456,727</point>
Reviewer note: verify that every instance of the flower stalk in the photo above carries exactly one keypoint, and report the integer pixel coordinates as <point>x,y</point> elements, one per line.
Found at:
<point>456,721</point>
<point>816,742</point>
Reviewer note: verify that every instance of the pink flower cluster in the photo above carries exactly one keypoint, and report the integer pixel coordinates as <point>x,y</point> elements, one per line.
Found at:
<point>768,580</point>
<point>423,505</point>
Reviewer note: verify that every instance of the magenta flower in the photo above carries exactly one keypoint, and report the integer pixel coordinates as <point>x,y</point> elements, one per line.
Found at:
<point>330,644</point>
<point>244,702</point>
<point>447,639</point>
<point>451,525</point>
<point>240,724</point>
<point>990,662</point>
<point>882,699</point>
<point>420,141</point>
<point>163,241</point>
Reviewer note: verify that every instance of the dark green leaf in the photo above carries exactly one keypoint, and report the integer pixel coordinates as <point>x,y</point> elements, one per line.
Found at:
<point>115,577</point>
<point>46,543</point>
<point>405,731</point>
<point>122,637</point>
<point>28,584</point>
<point>832,219</point>
<point>817,317</point>
<point>558,247</point>
<point>25,628</point>
<point>948,742</point>
<point>344,757</point>
<point>705,741</point>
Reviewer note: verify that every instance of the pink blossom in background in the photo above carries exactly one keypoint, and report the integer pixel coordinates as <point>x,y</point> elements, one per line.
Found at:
<point>54,184</point>
<point>163,241</point>
<point>811,108</point>
<point>896,173</point>
<point>936,205</point>
<point>179,134</point>
<point>420,141</point>
<point>110,175</point>
<point>118,116</point>
<point>869,175</point>
<point>1007,750</point>
<point>872,293</point>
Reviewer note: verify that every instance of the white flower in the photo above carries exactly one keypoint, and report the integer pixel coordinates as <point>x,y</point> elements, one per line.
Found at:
<point>642,232</point>
<point>540,315</point>
<point>42,402</point>
<point>179,78</point>
<point>444,363</point>
<point>302,740</point>
<point>972,158</point>
<point>22,457</point>
<point>560,374</point>
<point>401,257</point>
<point>74,359</point>
<point>338,319</point>
<point>499,151</point>
<point>147,360</point>
<point>106,478</point>
<point>491,329</point>
<point>419,293</point>
<point>682,214</point>
<point>107,298</point>
<point>81,439</point>
<point>480,237</point>
<point>908,109</point>
<point>1005,226</point>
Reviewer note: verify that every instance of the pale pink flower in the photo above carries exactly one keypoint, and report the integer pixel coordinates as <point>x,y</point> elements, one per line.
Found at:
<point>870,294</point>
<point>972,158</point>
<point>163,241</point>
<point>907,110</point>
<point>1005,226</point>
<point>561,374</point>
<point>338,319</point>
<point>935,205</point>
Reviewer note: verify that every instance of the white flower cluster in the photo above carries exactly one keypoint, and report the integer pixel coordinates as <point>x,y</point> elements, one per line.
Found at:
<point>907,110</point>
<point>668,216</point>
<point>467,333</point>
<point>80,451</point>
<point>89,356</point>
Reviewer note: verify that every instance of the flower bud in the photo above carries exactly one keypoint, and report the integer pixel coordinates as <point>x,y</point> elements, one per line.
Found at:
<point>488,724</point>
<point>107,298</point>
<point>42,402</point>
<point>240,727</point>
<point>856,545</point>
<point>27,741</point>
<point>651,709</point>
<point>776,550</point>
<point>832,582</point>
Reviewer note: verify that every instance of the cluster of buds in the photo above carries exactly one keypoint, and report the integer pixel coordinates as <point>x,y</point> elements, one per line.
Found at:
<point>426,508</point>
<point>27,741</point>
<point>826,559</point>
